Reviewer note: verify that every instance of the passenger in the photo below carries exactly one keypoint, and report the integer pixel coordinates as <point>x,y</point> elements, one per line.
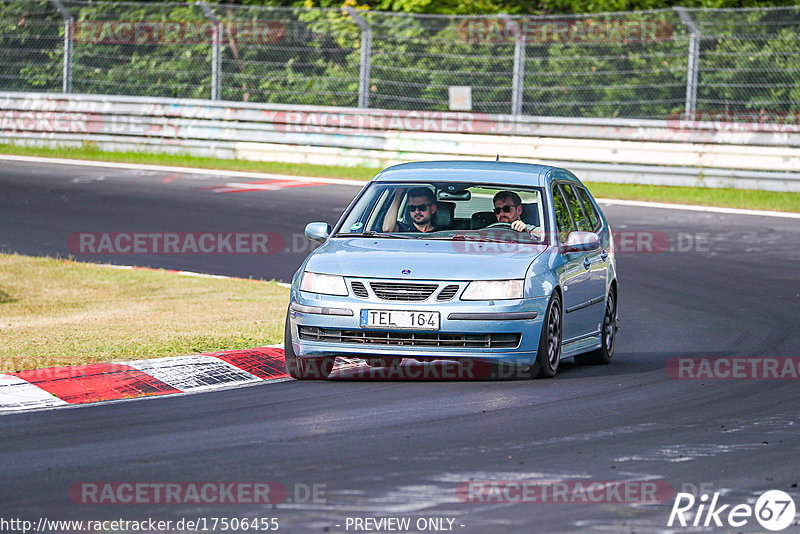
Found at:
<point>421,206</point>
<point>508,209</point>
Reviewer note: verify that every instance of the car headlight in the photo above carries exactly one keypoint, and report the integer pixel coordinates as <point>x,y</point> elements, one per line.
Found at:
<point>326,284</point>
<point>493,290</point>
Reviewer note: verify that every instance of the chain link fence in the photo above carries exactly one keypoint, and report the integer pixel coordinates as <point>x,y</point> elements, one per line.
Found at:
<point>648,64</point>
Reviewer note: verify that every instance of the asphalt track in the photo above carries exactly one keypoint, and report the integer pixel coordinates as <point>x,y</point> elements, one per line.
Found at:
<point>730,287</point>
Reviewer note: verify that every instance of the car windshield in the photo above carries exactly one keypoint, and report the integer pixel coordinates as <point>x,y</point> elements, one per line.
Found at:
<point>451,211</point>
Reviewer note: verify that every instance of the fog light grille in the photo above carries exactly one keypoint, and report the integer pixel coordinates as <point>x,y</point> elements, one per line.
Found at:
<point>359,290</point>
<point>447,293</point>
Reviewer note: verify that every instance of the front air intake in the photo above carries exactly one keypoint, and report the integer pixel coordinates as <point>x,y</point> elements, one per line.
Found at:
<point>359,290</point>
<point>402,291</point>
<point>447,293</point>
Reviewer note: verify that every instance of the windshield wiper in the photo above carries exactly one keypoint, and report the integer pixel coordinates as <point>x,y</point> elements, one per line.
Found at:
<point>372,233</point>
<point>481,239</point>
<point>461,237</point>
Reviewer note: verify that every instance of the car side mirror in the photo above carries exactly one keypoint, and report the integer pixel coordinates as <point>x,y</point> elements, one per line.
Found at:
<point>318,231</point>
<point>581,242</point>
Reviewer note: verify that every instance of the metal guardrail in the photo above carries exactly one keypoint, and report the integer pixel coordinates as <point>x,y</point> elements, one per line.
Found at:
<point>616,150</point>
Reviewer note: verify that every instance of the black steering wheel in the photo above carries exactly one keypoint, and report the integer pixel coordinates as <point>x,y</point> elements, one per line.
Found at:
<point>498,225</point>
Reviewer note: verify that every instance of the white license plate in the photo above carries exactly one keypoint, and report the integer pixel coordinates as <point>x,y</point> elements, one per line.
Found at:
<point>400,319</point>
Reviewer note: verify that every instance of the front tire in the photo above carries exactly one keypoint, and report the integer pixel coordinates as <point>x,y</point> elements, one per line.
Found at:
<point>302,368</point>
<point>549,354</point>
<point>608,336</point>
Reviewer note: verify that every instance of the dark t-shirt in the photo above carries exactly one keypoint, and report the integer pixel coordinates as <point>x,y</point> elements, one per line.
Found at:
<point>409,227</point>
<point>406,227</point>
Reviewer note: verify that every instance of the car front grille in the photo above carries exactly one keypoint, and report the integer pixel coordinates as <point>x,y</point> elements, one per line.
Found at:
<point>401,291</point>
<point>411,339</point>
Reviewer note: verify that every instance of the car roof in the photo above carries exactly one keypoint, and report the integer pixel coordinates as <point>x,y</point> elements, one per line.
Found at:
<point>501,172</point>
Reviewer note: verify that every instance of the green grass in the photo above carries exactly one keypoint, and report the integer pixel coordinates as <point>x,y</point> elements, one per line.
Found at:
<point>706,196</point>
<point>56,312</point>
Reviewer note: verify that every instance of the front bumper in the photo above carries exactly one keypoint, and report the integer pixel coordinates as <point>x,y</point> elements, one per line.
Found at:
<point>501,331</point>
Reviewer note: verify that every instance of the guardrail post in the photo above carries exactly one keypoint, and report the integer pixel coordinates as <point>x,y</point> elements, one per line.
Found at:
<point>694,62</point>
<point>66,86</point>
<point>366,55</point>
<point>518,77</point>
<point>216,50</point>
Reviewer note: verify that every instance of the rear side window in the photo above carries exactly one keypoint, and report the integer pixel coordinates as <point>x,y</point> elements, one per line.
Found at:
<point>563,220</point>
<point>588,207</point>
<point>581,221</point>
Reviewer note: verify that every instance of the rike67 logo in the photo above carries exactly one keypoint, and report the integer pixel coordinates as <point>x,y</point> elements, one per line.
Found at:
<point>774,510</point>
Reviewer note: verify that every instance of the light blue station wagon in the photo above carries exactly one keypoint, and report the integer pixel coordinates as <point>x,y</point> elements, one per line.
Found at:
<point>509,264</point>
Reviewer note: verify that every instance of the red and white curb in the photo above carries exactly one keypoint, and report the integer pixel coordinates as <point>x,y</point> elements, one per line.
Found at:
<point>83,384</point>
<point>57,387</point>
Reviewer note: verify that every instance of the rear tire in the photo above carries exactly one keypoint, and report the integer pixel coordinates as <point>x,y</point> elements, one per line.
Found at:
<point>302,368</point>
<point>549,354</point>
<point>608,336</point>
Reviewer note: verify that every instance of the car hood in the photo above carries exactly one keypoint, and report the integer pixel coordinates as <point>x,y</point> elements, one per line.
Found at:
<point>425,259</point>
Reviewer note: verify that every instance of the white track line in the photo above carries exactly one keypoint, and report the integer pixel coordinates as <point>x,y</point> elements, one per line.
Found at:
<point>689,207</point>
<point>186,273</point>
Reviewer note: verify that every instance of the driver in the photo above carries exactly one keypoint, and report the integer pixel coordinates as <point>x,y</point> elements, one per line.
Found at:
<point>508,209</point>
<point>421,206</point>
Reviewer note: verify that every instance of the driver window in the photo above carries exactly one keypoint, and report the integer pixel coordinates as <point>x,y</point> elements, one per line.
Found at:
<point>375,222</point>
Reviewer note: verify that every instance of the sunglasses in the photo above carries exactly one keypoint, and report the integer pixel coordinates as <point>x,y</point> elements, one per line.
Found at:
<point>505,209</point>
<point>421,207</point>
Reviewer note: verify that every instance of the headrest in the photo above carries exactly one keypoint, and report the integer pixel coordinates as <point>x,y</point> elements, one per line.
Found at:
<point>481,219</point>
<point>443,218</point>
<point>530,214</point>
